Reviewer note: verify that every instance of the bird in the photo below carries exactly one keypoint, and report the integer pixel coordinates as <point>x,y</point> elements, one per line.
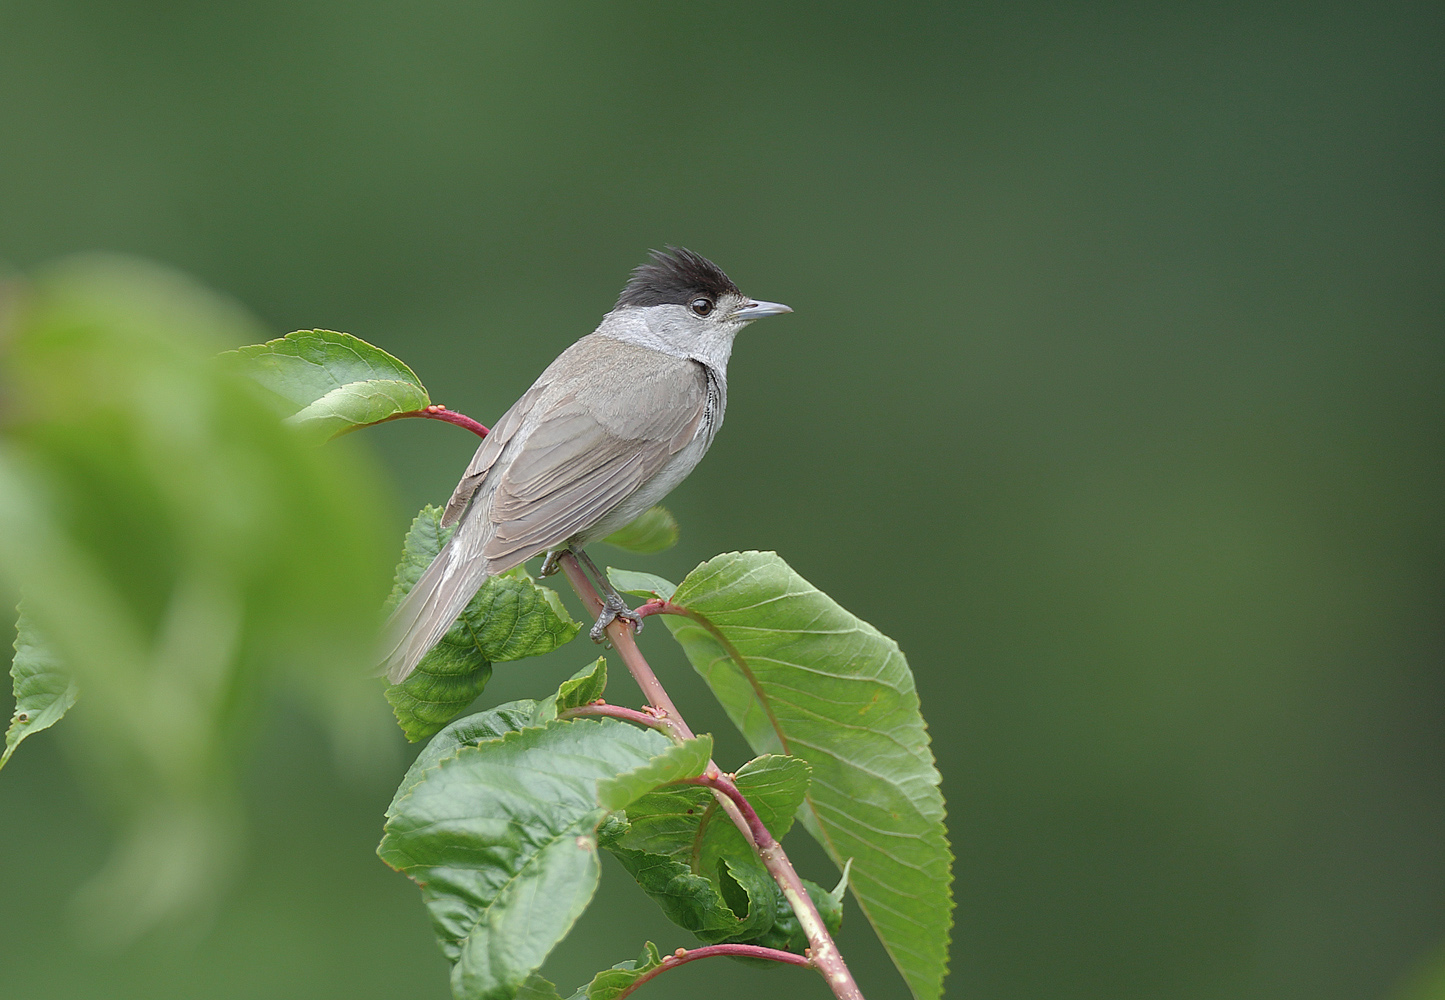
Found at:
<point>607,430</point>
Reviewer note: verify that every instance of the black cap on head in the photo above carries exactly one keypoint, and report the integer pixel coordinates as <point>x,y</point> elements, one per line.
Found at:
<point>675,277</point>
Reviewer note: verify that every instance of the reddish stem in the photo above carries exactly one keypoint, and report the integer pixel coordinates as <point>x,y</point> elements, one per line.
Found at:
<point>651,720</point>
<point>682,956</point>
<point>438,412</point>
<point>824,953</point>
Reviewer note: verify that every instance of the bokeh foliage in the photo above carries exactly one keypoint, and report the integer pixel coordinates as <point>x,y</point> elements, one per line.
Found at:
<point>183,559</point>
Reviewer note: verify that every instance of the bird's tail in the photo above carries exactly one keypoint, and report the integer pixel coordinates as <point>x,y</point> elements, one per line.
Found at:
<point>430,607</point>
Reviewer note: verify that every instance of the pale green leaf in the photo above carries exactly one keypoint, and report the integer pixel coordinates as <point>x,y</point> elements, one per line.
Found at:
<point>646,584</point>
<point>510,617</point>
<point>611,983</point>
<point>653,531</point>
<point>44,690</point>
<point>501,836</point>
<point>801,675</point>
<point>332,382</point>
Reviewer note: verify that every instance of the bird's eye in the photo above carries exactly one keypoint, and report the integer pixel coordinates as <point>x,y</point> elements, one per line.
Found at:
<point>702,306</point>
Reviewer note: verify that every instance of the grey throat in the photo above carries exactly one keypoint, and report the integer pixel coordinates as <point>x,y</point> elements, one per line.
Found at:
<point>619,419</point>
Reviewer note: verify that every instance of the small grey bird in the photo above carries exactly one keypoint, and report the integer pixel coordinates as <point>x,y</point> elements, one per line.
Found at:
<point>619,419</point>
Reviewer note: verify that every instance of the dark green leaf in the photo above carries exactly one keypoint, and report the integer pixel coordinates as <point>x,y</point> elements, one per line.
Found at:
<point>332,382</point>
<point>654,531</point>
<point>44,690</point>
<point>787,934</point>
<point>798,674</point>
<point>502,838</point>
<point>509,618</point>
<point>687,855</point>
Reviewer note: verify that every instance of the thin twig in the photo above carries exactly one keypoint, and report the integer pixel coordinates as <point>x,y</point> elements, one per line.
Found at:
<point>438,412</point>
<point>649,719</point>
<point>682,956</point>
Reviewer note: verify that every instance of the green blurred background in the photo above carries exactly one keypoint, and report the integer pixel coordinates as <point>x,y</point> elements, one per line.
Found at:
<point>1114,394</point>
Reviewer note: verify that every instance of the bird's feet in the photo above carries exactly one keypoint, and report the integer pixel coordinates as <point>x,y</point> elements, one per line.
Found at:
<point>551,564</point>
<point>614,608</point>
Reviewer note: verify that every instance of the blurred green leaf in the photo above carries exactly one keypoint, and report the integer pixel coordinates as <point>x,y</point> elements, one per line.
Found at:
<point>332,382</point>
<point>501,836</point>
<point>184,555</point>
<point>44,690</point>
<point>654,531</point>
<point>510,617</point>
<point>799,674</point>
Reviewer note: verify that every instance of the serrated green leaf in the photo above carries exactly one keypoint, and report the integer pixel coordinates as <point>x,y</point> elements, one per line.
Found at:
<point>44,690</point>
<point>333,382</point>
<point>682,760</point>
<point>654,531</point>
<point>633,582</point>
<point>581,688</point>
<point>492,724</point>
<point>827,687</point>
<point>501,836</point>
<point>510,617</point>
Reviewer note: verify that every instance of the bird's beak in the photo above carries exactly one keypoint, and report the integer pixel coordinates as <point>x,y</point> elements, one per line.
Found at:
<point>757,310</point>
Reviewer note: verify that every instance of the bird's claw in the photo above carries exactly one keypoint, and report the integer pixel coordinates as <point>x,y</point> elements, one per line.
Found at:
<point>551,564</point>
<point>614,609</point>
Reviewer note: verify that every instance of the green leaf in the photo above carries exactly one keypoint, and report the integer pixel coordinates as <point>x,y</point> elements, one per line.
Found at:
<point>44,690</point>
<point>647,584</point>
<point>686,854</point>
<point>582,688</point>
<point>681,760</point>
<point>654,531</point>
<point>501,836</point>
<point>606,985</point>
<point>332,382</point>
<point>611,983</point>
<point>509,618</point>
<point>189,560</point>
<point>799,674</point>
<point>787,934</point>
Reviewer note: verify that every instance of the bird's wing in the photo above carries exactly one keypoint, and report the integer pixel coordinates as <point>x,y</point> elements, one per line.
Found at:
<point>487,453</point>
<point>592,446</point>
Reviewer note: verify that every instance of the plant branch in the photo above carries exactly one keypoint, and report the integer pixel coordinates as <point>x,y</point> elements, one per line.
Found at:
<point>438,412</point>
<point>682,956</point>
<point>824,953</point>
<point>663,725</point>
